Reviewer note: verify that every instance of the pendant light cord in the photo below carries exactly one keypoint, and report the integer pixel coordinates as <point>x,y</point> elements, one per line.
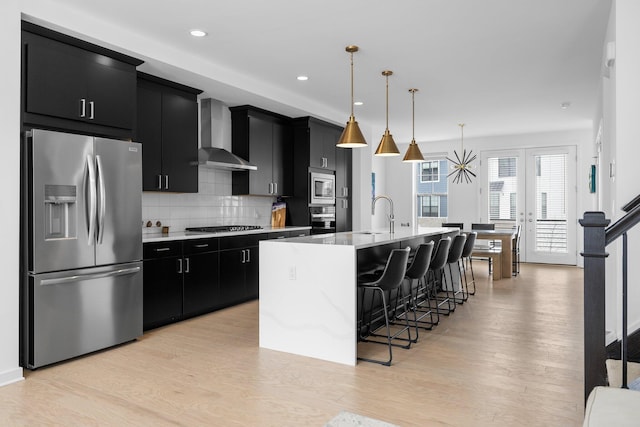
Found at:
<point>413,115</point>
<point>351,54</point>
<point>387,113</point>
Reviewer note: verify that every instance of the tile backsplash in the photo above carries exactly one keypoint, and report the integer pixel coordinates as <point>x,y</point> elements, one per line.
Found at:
<point>212,205</point>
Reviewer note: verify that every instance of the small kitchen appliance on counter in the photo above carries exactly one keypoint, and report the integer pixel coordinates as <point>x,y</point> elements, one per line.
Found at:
<point>81,287</point>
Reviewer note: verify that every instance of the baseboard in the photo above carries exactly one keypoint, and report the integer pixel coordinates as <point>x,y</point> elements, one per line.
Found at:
<point>633,348</point>
<point>11,376</point>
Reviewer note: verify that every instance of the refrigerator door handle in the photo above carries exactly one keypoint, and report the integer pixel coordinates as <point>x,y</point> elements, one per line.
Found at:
<point>102,200</point>
<point>92,200</point>
<point>78,277</point>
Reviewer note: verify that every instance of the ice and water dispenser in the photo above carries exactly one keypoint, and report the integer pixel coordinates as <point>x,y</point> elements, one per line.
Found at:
<point>60,210</point>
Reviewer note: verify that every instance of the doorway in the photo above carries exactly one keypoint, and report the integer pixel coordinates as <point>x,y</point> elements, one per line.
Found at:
<point>534,188</point>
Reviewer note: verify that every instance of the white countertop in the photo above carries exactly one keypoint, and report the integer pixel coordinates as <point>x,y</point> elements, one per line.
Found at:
<point>187,235</point>
<point>363,239</point>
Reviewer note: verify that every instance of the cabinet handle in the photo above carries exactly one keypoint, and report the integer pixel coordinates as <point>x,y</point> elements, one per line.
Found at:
<point>83,107</point>
<point>166,182</point>
<point>203,245</point>
<point>159,182</point>
<point>244,256</point>
<point>345,191</point>
<point>91,110</point>
<point>271,188</point>
<point>248,255</point>
<point>162,249</point>
<point>186,270</point>
<point>275,186</point>
<point>180,265</point>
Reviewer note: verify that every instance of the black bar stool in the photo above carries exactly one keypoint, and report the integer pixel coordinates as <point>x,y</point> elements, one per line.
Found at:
<point>437,276</point>
<point>386,284</point>
<point>466,258</point>
<point>455,255</point>
<point>419,293</point>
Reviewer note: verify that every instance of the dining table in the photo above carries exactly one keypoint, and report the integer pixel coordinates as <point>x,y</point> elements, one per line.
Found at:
<point>506,237</point>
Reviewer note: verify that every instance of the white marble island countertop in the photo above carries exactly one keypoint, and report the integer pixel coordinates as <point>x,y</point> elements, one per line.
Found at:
<point>364,239</point>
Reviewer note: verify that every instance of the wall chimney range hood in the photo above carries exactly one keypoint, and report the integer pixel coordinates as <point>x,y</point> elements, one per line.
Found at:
<point>212,123</point>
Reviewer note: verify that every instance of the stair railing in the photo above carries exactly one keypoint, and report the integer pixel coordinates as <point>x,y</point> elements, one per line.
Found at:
<point>597,236</point>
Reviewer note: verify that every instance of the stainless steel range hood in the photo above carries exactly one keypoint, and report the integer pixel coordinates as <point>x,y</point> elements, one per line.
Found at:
<point>212,123</point>
<point>219,158</point>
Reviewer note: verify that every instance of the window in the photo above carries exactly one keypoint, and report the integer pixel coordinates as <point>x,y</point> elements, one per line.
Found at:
<point>506,167</point>
<point>429,206</point>
<point>431,191</point>
<point>503,183</point>
<point>429,171</point>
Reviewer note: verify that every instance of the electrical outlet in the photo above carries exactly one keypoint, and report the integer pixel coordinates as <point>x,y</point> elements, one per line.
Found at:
<point>292,273</point>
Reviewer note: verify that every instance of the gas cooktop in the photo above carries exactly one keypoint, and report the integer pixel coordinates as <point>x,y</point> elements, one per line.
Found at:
<point>223,228</point>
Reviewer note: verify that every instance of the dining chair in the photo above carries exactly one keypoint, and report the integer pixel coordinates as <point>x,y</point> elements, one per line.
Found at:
<point>515,254</point>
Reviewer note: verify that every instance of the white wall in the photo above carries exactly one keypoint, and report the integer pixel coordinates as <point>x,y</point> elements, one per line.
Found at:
<point>626,107</point>
<point>10,172</point>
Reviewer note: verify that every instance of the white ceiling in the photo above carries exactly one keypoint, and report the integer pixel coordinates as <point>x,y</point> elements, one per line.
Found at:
<point>499,66</point>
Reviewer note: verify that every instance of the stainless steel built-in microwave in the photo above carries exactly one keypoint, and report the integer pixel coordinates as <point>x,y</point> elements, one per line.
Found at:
<point>323,189</point>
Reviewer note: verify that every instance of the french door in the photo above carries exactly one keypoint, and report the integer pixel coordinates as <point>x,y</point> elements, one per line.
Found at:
<point>536,189</point>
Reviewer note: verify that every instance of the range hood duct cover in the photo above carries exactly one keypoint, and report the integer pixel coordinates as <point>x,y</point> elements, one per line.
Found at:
<point>219,158</point>
<point>212,120</point>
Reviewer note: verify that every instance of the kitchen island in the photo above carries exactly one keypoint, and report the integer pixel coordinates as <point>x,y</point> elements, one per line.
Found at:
<point>308,292</point>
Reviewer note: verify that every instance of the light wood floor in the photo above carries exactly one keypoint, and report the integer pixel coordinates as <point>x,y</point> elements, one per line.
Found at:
<point>512,356</point>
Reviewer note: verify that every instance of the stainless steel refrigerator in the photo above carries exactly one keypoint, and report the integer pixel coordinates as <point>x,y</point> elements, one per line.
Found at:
<point>82,286</point>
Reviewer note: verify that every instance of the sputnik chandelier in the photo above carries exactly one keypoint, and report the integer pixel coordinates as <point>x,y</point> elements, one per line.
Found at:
<point>462,167</point>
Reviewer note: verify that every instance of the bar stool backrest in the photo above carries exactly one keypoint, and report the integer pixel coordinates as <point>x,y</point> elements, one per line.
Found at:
<point>421,261</point>
<point>442,252</point>
<point>456,248</point>
<point>468,245</point>
<point>394,271</point>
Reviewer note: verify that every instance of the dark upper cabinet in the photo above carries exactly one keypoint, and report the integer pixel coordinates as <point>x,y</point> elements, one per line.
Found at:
<point>264,139</point>
<point>319,139</point>
<point>167,127</point>
<point>344,212</point>
<point>72,85</point>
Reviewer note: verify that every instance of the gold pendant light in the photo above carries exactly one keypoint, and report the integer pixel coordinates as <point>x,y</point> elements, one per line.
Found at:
<point>351,136</point>
<point>387,146</point>
<point>413,154</point>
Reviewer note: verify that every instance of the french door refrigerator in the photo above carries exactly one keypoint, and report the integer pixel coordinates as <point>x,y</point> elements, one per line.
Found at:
<point>82,287</point>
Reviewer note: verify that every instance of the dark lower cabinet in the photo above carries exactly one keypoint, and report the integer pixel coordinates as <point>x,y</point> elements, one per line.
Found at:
<point>192,277</point>
<point>239,269</point>
<point>180,280</point>
<point>200,286</point>
<point>162,289</point>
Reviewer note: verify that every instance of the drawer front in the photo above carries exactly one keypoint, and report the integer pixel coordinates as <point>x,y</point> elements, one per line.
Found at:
<point>277,235</point>
<point>198,246</point>
<point>235,242</point>
<point>299,233</point>
<point>156,250</point>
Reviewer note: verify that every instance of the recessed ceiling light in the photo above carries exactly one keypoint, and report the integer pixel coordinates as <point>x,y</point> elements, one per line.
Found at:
<point>303,78</point>
<point>565,105</point>
<point>358,103</point>
<point>198,33</point>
